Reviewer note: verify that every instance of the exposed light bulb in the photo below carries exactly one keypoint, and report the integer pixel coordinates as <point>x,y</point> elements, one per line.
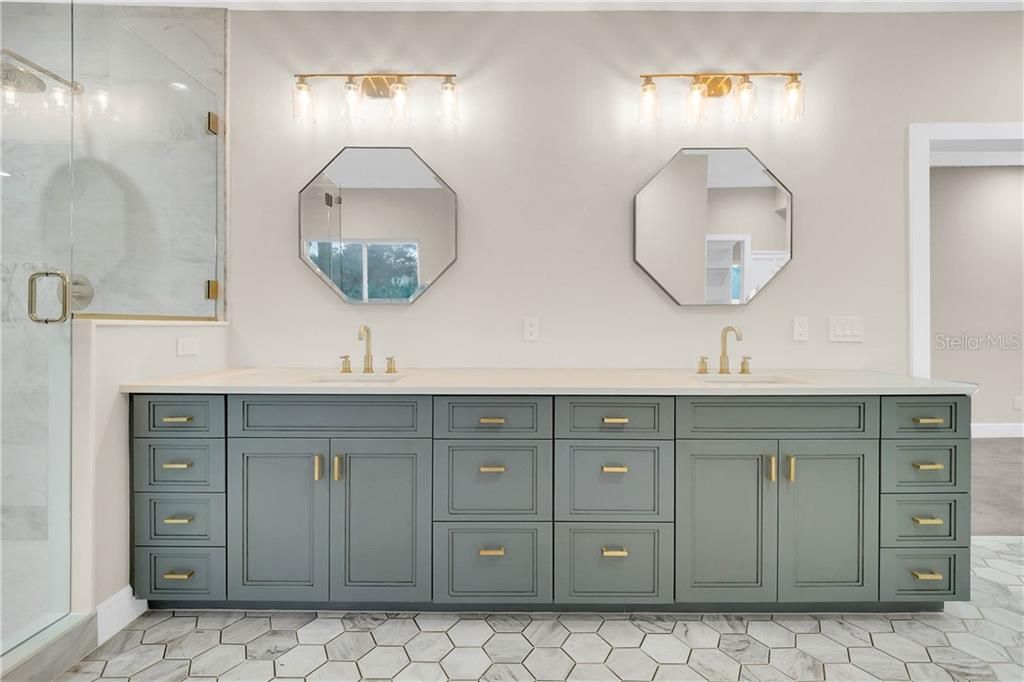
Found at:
<point>650,108</point>
<point>793,101</point>
<point>352,96</point>
<point>746,100</point>
<point>448,105</point>
<point>696,105</point>
<point>399,101</point>
<point>303,104</point>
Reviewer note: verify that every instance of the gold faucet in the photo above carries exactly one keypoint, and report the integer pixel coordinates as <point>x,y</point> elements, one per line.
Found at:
<point>702,366</point>
<point>346,364</point>
<point>723,359</point>
<point>366,335</point>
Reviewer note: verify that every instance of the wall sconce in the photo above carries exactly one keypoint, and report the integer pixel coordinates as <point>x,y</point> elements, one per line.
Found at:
<point>360,86</point>
<point>714,85</point>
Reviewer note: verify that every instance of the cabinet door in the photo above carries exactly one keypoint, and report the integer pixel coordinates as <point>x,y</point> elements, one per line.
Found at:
<point>726,520</point>
<point>828,520</point>
<point>380,519</point>
<point>278,515</point>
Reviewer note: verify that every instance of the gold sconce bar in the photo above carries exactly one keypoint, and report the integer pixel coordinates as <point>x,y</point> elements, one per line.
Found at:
<point>926,575</point>
<point>499,551</point>
<point>177,420</point>
<point>492,421</point>
<point>178,520</point>
<point>615,420</point>
<point>176,465</point>
<point>606,552</point>
<point>485,469</point>
<point>178,575</point>
<point>928,421</point>
<point>928,521</point>
<point>614,469</point>
<point>929,466</point>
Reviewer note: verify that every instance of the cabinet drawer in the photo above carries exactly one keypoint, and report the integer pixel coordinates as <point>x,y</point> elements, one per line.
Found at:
<point>613,562</point>
<point>492,417</point>
<point>492,480</point>
<point>926,416</point>
<point>605,417</point>
<point>926,520</point>
<point>926,465</point>
<point>180,573</point>
<point>318,416</point>
<point>501,562</point>
<point>614,480</point>
<point>199,416</point>
<point>192,519</point>
<point>925,575</point>
<point>778,417</point>
<point>178,464</point>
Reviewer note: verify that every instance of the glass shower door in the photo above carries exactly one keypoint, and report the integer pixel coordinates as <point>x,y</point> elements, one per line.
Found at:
<point>35,331</point>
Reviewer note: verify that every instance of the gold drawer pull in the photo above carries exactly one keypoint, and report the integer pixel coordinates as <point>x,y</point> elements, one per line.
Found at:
<point>928,421</point>
<point>614,469</point>
<point>178,575</point>
<point>336,467</point>
<point>177,420</point>
<point>605,552</point>
<point>179,520</point>
<point>615,420</point>
<point>926,575</point>
<point>500,551</point>
<point>792,469</point>
<point>176,465</point>
<point>485,469</point>
<point>928,521</point>
<point>929,466</point>
<point>773,468</point>
<point>492,420</point>
<point>318,467</point>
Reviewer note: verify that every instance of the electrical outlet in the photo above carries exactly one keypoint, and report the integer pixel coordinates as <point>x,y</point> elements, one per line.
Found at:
<point>1017,403</point>
<point>846,329</point>
<point>801,328</point>
<point>531,329</point>
<point>187,346</point>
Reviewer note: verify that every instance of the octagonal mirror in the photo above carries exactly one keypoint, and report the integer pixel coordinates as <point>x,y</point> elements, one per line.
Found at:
<point>377,225</point>
<point>713,227</point>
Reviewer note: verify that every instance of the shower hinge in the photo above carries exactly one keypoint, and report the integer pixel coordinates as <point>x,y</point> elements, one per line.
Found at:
<point>212,123</point>
<point>212,289</point>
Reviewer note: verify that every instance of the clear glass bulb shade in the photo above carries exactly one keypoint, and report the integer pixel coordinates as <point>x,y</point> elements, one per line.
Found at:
<point>650,107</point>
<point>793,102</point>
<point>696,103</point>
<point>746,102</point>
<point>399,102</point>
<point>352,101</point>
<point>303,102</point>
<point>448,103</point>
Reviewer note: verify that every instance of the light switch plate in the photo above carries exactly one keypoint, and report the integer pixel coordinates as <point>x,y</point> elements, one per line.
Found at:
<point>187,346</point>
<point>846,328</point>
<point>531,329</point>
<point>801,328</point>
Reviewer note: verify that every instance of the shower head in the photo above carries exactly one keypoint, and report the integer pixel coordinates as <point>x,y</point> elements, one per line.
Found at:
<point>17,79</point>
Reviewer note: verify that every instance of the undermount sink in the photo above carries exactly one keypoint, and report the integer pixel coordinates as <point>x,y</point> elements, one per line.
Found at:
<point>747,379</point>
<point>339,378</point>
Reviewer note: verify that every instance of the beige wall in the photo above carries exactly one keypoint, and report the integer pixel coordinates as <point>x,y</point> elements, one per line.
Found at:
<point>549,154</point>
<point>977,241</point>
<point>749,210</point>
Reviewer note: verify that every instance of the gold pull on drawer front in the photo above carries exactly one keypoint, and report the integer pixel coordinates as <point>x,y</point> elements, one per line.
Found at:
<point>614,469</point>
<point>177,420</point>
<point>608,552</point>
<point>499,551</point>
<point>176,465</point>
<point>928,521</point>
<point>926,575</point>
<point>179,520</point>
<point>929,466</point>
<point>178,575</point>
<point>485,469</point>
<point>615,420</point>
<point>492,421</point>
<point>928,421</point>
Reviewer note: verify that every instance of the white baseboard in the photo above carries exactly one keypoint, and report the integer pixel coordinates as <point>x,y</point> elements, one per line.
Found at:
<point>996,430</point>
<point>118,610</point>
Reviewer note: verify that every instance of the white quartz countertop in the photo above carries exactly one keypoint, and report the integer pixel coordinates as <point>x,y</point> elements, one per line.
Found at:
<point>549,382</point>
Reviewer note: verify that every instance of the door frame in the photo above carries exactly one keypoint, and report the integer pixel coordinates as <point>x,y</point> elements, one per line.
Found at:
<point>942,144</point>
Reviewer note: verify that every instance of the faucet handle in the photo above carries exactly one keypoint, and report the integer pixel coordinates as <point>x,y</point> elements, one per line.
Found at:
<point>702,366</point>
<point>346,364</point>
<point>745,365</point>
<point>392,365</point>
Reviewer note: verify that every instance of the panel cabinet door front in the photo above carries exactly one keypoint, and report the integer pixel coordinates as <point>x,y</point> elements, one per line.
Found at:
<point>278,514</point>
<point>380,519</point>
<point>828,520</point>
<point>726,520</point>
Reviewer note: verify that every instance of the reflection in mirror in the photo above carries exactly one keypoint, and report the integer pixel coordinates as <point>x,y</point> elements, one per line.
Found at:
<point>713,227</point>
<point>377,225</point>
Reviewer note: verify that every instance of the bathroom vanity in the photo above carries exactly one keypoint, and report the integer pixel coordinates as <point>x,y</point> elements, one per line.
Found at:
<point>557,489</point>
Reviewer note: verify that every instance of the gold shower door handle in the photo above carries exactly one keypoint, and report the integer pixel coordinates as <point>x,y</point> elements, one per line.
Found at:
<point>928,421</point>
<point>498,551</point>
<point>792,469</point>
<point>33,297</point>
<point>318,467</point>
<point>773,468</point>
<point>336,467</point>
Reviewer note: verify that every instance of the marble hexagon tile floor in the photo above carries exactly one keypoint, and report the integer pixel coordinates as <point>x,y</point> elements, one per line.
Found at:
<point>980,640</point>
